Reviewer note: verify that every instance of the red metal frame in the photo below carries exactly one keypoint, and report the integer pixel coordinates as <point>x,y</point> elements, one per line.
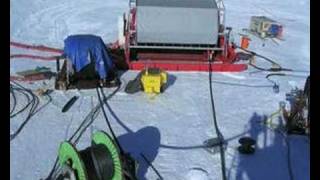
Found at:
<point>187,66</point>
<point>173,57</point>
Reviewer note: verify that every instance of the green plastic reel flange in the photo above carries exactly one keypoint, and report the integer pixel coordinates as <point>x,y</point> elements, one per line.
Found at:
<point>101,137</point>
<point>69,154</point>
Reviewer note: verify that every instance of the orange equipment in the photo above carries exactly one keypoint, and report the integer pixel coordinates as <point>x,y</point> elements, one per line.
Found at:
<point>245,42</point>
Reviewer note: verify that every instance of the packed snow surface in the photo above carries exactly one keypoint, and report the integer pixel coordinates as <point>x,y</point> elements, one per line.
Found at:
<point>169,128</point>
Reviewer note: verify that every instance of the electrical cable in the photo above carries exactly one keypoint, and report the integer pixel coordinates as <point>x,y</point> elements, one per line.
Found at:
<point>73,139</point>
<point>89,119</point>
<point>14,88</point>
<point>282,74</point>
<point>14,99</point>
<point>275,85</point>
<point>91,115</point>
<point>150,164</point>
<point>266,59</point>
<point>33,101</point>
<point>258,55</point>
<point>220,137</point>
<point>107,120</point>
<point>270,69</point>
<point>115,138</point>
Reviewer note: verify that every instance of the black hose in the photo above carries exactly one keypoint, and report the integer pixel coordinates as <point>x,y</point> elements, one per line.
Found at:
<point>266,59</point>
<point>270,69</point>
<point>14,99</point>
<point>255,54</point>
<point>150,164</point>
<point>121,150</point>
<point>275,74</point>
<point>107,120</point>
<point>82,127</point>
<point>220,136</point>
<point>89,119</point>
<point>26,95</point>
<point>91,115</point>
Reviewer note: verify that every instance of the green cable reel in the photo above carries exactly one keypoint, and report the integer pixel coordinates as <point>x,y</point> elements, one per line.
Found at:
<point>77,161</point>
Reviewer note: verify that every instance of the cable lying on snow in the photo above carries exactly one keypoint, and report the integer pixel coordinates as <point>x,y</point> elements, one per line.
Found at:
<point>75,137</point>
<point>277,67</point>
<point>33,102</point>
<point>102,101</point>
<point>218,132</point>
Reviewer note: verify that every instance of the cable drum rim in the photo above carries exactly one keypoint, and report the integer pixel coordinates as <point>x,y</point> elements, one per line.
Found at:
<point>68,152</point>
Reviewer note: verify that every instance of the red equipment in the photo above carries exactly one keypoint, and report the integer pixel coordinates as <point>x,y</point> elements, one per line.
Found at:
<point>179,57</point>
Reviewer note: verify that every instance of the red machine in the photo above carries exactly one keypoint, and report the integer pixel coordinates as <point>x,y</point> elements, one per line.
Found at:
<point>173,56</point>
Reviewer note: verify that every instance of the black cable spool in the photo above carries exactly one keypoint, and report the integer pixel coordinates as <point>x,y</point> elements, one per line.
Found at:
<point>98,162</point>
<point>247,145</point>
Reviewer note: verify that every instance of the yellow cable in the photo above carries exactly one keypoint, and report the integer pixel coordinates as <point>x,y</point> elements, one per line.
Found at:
<point>271,117</point>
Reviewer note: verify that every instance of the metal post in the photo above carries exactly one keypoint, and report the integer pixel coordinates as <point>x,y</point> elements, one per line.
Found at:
<point>58,64</point>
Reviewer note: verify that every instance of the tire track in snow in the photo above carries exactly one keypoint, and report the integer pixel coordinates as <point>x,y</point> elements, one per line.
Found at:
<point>52,24</point>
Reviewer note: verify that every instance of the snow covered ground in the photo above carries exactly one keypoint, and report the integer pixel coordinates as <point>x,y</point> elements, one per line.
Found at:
<point>167,128</point>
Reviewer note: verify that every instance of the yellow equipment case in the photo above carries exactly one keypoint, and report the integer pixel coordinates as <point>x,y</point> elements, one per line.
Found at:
<point>153,80</point>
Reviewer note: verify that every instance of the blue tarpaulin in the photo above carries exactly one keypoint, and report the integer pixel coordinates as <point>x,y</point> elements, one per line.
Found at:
<point>81,50</point>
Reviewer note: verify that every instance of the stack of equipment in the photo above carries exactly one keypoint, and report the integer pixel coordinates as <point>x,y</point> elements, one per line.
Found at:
<point>266,27</point>
<point>86,63</point>
<point>298,117</point>
<point>188,34</point>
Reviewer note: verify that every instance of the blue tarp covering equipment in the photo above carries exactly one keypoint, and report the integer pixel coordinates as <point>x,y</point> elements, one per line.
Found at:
<point>82,50</point>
